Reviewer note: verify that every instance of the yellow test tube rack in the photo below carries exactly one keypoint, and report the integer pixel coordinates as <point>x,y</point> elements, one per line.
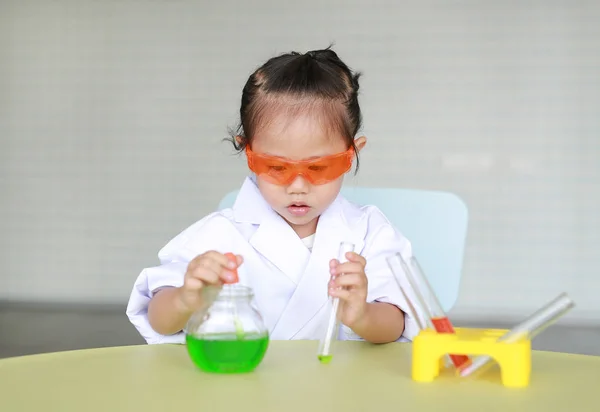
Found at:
<point>429,348</point>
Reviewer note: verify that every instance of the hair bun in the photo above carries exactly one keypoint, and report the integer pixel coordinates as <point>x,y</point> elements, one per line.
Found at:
<point>323,54</point>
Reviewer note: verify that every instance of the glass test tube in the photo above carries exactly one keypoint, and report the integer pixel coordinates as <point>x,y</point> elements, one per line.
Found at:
<point>529,328</point>
<point>430,304</point>
<point>325,345</point>
<point>394,262</point>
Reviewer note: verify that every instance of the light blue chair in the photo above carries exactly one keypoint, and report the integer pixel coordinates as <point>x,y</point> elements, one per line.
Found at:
<point>434,222</point>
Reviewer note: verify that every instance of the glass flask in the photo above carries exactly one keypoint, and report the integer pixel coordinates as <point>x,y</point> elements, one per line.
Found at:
<point>228,334</point>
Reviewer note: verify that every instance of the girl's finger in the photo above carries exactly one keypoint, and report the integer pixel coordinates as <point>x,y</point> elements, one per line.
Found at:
<point>231,275</point>
<point>355,280</point>
<point>211,265</point>
<point>355,257</point>
<point>205,275</point>
<point>192,283</point>
<point>228,276</point>
<point>346,268</point>
<point>343,294</point>
<point>240,260</point>
<point>221,259</point>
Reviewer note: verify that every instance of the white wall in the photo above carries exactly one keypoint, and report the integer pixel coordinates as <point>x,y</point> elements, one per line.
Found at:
<point>112,115</point>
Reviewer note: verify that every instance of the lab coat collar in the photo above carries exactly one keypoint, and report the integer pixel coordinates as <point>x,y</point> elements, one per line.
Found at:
<point>275,240</point>
<point>250,206</point>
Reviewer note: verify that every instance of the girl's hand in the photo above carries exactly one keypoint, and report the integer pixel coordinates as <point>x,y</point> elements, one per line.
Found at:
<point>210,268</point>
<point>349,283</point>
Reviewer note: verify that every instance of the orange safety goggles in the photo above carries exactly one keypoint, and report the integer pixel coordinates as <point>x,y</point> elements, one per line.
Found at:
<point>282,171</point>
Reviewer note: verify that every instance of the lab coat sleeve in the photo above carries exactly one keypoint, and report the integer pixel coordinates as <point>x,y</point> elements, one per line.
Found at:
<point>174,259</point>
<point>382,242</point>
<point>169,274</point>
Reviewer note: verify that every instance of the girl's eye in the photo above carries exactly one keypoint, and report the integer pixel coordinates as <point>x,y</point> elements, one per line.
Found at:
<point>316,168</point>
<point>277,168</point>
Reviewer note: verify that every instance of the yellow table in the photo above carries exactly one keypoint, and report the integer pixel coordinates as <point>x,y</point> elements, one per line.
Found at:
<point>361,377</point>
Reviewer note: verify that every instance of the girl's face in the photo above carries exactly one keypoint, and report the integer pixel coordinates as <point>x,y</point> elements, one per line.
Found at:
<point>299,137</point>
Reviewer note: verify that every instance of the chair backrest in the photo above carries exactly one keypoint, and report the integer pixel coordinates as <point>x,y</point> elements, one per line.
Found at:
<point>434,222</point>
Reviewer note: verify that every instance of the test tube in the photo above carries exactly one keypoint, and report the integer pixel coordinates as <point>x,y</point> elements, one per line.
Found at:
<point>393,263</point>
<point>529,328</point>
<point>325,353</point>
<point>430,304</point>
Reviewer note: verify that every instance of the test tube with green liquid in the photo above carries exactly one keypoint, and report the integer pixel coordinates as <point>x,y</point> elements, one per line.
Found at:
<point>325,352</point>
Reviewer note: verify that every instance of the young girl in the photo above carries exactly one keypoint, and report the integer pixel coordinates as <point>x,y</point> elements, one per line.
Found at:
<point>299,121</point>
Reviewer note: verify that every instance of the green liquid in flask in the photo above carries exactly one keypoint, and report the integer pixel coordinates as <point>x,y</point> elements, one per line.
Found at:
<point>227,353</point>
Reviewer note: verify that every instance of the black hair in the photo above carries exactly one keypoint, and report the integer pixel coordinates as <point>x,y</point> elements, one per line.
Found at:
<point>318,77</point>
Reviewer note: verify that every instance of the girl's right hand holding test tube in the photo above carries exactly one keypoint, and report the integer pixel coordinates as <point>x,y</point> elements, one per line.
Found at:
<point>210,268</point>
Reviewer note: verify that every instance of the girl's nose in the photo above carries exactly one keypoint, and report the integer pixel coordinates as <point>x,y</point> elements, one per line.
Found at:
<point>298,186</point>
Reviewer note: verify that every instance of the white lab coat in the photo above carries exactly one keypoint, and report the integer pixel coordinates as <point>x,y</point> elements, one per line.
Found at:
<point>289,282</point>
